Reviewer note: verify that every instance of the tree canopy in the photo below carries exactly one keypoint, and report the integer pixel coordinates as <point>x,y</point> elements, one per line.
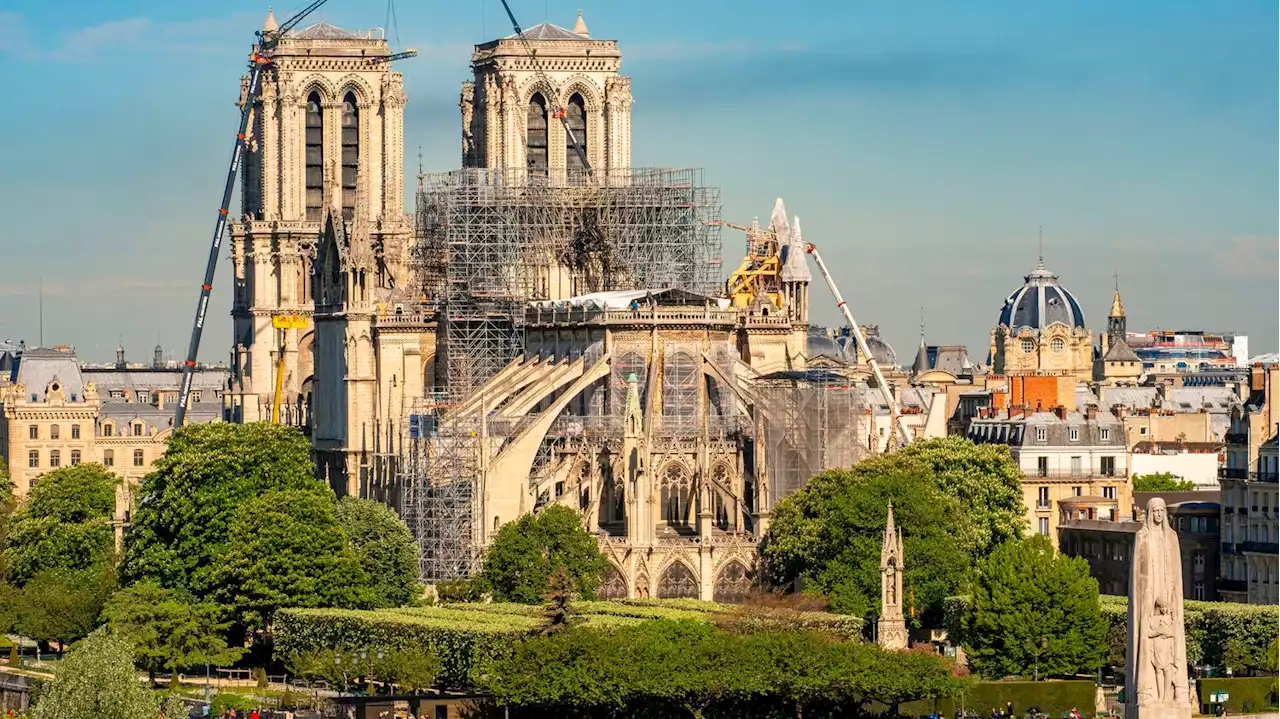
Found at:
<point>65,523</point>
<point>96,681</point>
<point>1034,612</point>
<point>673,668</point>
<point>831,532</point>
<point>987,483</point>
<point>285,549</point>
<point>1161,482</point>
<point>62,604</point>
<point>384,545</point>
<point>167,630</point>
<point>189,501</point>
<point>519,562</point>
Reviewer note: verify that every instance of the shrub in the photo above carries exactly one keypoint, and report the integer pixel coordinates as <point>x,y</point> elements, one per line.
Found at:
<point>1213,628</point>
<point>223,702</point>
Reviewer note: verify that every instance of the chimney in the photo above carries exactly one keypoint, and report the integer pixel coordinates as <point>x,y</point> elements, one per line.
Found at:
<point>1091,412</point>
<point>1061,411</point>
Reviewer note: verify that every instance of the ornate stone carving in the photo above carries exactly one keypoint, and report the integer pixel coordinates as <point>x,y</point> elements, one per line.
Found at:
<point>1157,647</point>
<point>891,630</point>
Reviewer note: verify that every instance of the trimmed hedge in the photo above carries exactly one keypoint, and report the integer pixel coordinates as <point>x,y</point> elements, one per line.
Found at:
<point>1244,694</point>
<point>1210,626</point>
<point>459,642</point>
<point>1050,697</point>
<point>462,635</point>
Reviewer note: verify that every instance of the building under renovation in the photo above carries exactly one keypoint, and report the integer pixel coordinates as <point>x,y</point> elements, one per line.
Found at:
<point>555,329</point>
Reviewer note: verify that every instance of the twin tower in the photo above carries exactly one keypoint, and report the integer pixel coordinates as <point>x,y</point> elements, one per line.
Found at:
<point>324,234</point>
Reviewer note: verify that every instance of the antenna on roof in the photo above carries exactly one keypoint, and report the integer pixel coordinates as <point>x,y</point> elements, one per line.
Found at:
<point>1042,245</point>
<point>41,291</point>
<point>922,323</point>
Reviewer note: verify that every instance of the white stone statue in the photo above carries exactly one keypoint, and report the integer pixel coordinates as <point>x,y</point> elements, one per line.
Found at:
<point>1156,675</point>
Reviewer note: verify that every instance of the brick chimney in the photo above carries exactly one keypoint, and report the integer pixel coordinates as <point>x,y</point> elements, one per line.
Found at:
<point>1091,412</point>
<point>1061,411</point>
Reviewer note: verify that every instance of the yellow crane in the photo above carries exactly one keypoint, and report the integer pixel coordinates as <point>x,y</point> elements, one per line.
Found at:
<point>283,323</point>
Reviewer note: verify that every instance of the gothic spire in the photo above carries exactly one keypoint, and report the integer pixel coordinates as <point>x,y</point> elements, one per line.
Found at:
<point>580,26</point>
<point>1117,307</point>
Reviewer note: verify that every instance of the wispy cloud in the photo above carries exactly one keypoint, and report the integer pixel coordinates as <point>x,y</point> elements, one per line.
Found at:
<point>124,35</point>
<point>1251,256</point>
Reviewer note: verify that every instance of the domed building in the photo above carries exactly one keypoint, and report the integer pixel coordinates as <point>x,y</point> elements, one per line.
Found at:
<point>1042,331</point>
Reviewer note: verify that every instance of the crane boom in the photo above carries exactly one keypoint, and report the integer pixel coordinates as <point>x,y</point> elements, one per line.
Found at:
<point>898,428</point>
<point>555,107</point>
<point>258,61</point>
<point>895,425</point>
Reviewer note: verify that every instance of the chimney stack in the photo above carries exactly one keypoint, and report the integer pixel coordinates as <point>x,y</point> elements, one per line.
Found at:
<point>1091,412</point>
<point>1061,411</point>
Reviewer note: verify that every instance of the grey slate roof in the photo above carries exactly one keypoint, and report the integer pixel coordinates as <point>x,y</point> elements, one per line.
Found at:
<point>1120,351</point>
<point>1040,302</point>
<point>37,368</point>
<point>547,31</point>
<point>325,31</point>
<point>157,419</point>
<point>109,379</point>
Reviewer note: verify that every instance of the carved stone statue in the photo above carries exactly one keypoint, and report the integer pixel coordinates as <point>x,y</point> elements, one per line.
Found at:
<point>1157,650</point>
<point>891,630</point>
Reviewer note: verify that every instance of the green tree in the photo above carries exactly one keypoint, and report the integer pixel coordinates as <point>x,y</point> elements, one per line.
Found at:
<point>63,605</point>
<point>411,668</point>
<point>287,550</point>
<point>188,502</point>
<point>64,524</point>
<point>385,548</point>
<point>168,632</point>
<point>987,483</point>
<point>831,532</point>
<point>97,681</point>
<point>1161,482</point>
<point>519,562</point>
<point>1034,612</point>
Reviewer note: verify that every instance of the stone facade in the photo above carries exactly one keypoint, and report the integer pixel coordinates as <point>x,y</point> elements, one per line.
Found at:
<point>56,413</point>
<point>1065,455</point>
<point>508,112</point>
<point>1042,331</point>
<point>326,132</point>
<point>1250,494</point>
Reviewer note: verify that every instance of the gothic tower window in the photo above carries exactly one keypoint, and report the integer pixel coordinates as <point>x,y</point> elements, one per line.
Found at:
<point>675,495</point>
<point>576,118</point>
<point>350,154</point>
<point>536,135</point>
<point>253,168</point>
<point>315,158</point>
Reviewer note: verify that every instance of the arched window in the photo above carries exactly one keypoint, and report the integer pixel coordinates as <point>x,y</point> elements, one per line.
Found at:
<point>613,586</point>
<point>315,157</point>
<point>75,457</point>
<point>55,432</point>
<point>55,458</point>
<point>1058,344</point>
<point>674,495</point>
<point>350,154</point>
<point>734,584</point>
<point>677,583</point>
<point>536,136</point>
<point>108,458</point>
<point>575,116</point>
<point>1028,345</point>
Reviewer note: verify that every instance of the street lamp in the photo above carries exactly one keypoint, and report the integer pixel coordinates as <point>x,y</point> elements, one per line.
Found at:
<point>1037,650</point>
<point>337,661</point>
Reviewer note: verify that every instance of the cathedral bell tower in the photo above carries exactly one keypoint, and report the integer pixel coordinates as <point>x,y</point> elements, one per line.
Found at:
<point>330,113</point>
<point>509,116</point>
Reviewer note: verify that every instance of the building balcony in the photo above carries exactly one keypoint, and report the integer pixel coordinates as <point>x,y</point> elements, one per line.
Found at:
<point>1271,548</point>
<point>1082,474</point>
<point>1246,475</point>
<point>1229,548</point>
<point>1236,438</point>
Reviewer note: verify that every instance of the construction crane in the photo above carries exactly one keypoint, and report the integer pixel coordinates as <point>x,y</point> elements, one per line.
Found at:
<point>557,110</point>
<point>259,59</point>
<point>283,323</point>
<point>762,243</point>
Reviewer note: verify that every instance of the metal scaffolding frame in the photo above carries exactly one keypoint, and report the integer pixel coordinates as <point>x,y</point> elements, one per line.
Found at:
<point>813,421</point>
<point>441,498</point>
<point>486,243</point>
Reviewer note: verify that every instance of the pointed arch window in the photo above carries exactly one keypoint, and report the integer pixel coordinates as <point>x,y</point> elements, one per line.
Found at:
<point>536,136</point>
<point>350,154</point>
<point>575,116</point>
<point>314,157</point>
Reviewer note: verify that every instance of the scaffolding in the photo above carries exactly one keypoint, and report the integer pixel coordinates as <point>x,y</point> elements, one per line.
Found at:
<point>489,241</point>
<point>441,499</point>
<point>813,421</point>
<point>486,243</point>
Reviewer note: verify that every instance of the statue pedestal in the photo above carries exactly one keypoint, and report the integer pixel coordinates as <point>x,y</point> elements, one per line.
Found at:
<point>1157,712</point>
<point>891,633</point>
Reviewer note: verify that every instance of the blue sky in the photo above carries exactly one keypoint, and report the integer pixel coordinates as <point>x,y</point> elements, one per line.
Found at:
<point>922,145</point>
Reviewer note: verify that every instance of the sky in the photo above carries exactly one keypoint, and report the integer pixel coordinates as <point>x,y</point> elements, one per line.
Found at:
<point>924,145</point>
